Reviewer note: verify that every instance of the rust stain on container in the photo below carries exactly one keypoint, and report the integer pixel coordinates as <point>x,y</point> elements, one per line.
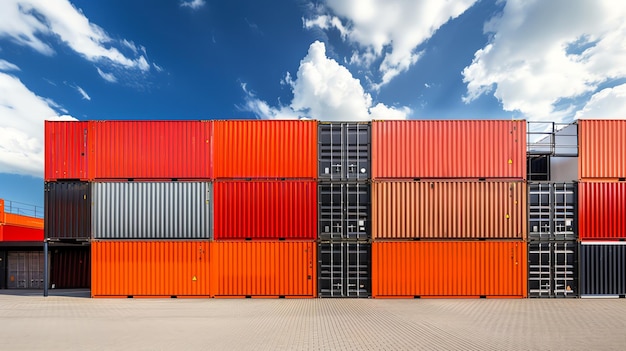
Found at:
<point>602,210</point>
<point>152,149</point>
<point>265,210</point>
<point>265,149</point>
<point>449,209</point>
<point>68,152</point>
<point>449,149</point>
<point>601,149</point>
<point>264,269</point>
<point>449,269</point>
<point>150,268</point>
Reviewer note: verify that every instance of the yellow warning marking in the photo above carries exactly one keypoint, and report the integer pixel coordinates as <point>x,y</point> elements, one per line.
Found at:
<point>510,161</point>
<point>507,216</point>
<point>194,278</point>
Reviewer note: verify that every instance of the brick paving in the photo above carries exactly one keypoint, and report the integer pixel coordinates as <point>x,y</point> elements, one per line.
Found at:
<point>67,321</point>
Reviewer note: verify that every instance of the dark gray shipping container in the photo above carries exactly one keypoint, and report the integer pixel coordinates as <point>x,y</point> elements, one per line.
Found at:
<point>344,269</point>
<point>344,151</point>
<point>67,211</point>
<point>552,211</point>
<point>553,269</point>
<point>152,210</point>
<point>603,269</point>
<point>25,269</point>
<point>344,211</point>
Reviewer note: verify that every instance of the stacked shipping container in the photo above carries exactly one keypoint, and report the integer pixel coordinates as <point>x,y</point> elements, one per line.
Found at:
<point>265,198</point>
<point>602,207</point>
<point>344,250</point>
<point>449,208</point>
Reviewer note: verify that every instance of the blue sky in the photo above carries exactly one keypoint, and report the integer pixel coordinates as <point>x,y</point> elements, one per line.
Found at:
<point>552,60</point>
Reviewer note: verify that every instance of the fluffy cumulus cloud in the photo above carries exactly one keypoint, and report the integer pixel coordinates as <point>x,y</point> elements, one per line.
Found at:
<point>325,90</point>
<point>545,56</point>
<point>609,103</point>
<point>33,22</point>
<point>22,115</point>
<point>390,30</point>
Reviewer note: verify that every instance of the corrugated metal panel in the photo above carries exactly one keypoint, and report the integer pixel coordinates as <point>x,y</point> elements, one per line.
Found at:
<point>603,269</point>
<point>70,268</point>
<point>344,211</point>
<point>247,268</point>
<point>152,149</point>
<point>265,210</point>
<point>449,209</point>
<point>602,153</point>
<point>449,149</point>
<point>67,150</point>
<point>602,210</point>
<point>449,269</point>
<point>16,233</point>
<point>344,269</point>
<point>553,269</point>
<point>265,149</point>
<point>25,269</point>
<point>552,211</point>
<point>67,210</point>
<point>152,210</point>
<point>150,268</point>
<point>344,151</point>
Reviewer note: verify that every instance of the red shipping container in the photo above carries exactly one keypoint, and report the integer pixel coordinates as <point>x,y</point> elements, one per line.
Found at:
<point>68,151</point>
<point>449,269</point>
<point>449,149</point>
<point>602,210</point>
<point>263,269</point>
<point>265,210</point>
<point>602,153</point>
<point>150,268</point>
<point>10,232</point>
<point>265,149</point>
<point>152,149</point>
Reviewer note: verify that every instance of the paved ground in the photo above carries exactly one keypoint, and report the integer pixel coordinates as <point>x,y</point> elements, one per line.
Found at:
<point>69,321</point>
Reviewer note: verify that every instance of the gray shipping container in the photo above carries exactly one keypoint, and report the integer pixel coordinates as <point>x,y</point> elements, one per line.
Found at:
<point>152,210</point>
<point>552,211</point>
<point>344,269</point>
<point>603,269</point>
<point>553,269</point>
<point>25,270</point>
<point>344,151</point>
<point>344,211</point>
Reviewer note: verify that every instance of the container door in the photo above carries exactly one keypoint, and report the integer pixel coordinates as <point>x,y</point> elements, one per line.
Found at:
<point>3,270</point>
<point>17,270</point>
<point>344,270</point>
<point>357,151</point>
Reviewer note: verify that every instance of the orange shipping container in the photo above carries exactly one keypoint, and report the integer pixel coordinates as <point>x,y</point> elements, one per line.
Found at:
<point>449,269</point>
<point>602,153</point>
<point>264,269</point>
<point>449,209</point>
<point>265,149</point>
<point>449,149</point>
<point>150,268</point>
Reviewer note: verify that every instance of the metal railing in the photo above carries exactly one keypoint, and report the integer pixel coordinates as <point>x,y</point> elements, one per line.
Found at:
<point>23,209</point>
<point>550,138</point>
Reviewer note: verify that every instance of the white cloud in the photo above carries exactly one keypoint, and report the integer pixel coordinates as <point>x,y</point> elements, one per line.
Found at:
<point>544,56</point>
<point>325,90</point>
<point>21,127</point>
<point>83,93</point>
<point>387,29</point>
<point>193,4</point>
<point>109,77</point>
<point>32,22</point>
<point>609,103</point>
<point>8,66</point>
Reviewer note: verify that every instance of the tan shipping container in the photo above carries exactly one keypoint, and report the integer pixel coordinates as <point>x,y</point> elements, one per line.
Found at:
<point>602,154</point>
<point>263,269</point>
<point>447,209</point>
<point>449,269</point>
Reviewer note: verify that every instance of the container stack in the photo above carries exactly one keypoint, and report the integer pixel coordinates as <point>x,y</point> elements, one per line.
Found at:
<point>67,203</point>
<point>449,209</point>
<point>344,249</point>
<point>151,208</point>
<point>265,209</point>
<point>602,208</point>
